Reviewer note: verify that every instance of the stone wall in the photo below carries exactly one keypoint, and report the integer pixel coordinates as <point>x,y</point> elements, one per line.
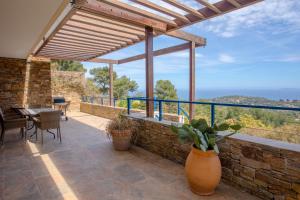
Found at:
<point>12,81</point>
<point>266,168</point>
<point>38,84</point>
<point>112,112</point>
<point>69,85</point>
<point>23,83</point>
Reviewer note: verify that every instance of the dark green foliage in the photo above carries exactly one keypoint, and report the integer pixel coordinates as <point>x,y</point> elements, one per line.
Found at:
<point>122,85</point>
<point>67,65</point>
<point>101,78</point>
<point>164,89</point>
<point>203,136</point>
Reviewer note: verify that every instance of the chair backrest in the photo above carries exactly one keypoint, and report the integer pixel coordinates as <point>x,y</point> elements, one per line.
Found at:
<point>50,119</point>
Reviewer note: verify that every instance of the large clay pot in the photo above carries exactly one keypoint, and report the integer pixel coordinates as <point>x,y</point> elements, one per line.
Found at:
<point>121,139</point>
<point>203,171</point>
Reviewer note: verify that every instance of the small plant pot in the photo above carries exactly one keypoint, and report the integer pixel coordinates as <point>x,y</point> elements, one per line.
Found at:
<point>121,139</point>
<point>203,171</point>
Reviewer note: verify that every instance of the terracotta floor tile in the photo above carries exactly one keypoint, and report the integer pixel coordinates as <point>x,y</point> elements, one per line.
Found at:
<point>86,167</point>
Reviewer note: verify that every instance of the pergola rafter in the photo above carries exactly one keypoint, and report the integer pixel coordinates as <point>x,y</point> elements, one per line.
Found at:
<point>93,28</point>
<point>109,25</point>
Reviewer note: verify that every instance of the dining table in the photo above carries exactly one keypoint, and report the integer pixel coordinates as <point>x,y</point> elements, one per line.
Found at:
<point>29,113</point>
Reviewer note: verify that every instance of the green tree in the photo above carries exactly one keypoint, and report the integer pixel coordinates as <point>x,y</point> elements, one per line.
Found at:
<point>101,78</point>
<point>123,85</point>
<point>90,88</point>
<point>67,65</point>
<point>164,89</point>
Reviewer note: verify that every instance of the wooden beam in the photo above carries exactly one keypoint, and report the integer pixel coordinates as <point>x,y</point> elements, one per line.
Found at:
<point>91,44</point>
<point>222,5</point>
<point>97,7</point>
<point>75,46</point>
<point>58,57</point>
<point>69,54</point>
<point>51,22</point>
<point>111,84</point>
<point>65,55</point>
<point>59,50</point>
<point>161,9</point>
<point>70,47</point>
<point>110,21</point>
<point>234,3</point>
<point>149,71</point>
<point>187,36</point>
<point>94,28</point>
<point>86,39</point>
<point>99,24</point>
<point>192,82</point>
<point>66,18</point>
<point>185,8</point>
<point>142,12</point>
<point>209,5</point>
<point>160,52</point>
<point>88,33</point>
<point>103,60</point>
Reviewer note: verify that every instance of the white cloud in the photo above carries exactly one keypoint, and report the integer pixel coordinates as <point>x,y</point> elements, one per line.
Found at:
<point>225,58</point>
<point>284,13</point>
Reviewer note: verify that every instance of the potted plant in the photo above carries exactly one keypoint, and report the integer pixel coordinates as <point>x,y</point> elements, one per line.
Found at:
<point>203,166</point>
<point>120,131</point>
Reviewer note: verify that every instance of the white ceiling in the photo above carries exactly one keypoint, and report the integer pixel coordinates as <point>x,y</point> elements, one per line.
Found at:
<point>21,23</point>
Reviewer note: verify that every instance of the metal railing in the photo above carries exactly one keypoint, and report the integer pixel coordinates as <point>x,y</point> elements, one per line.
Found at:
<point>211,104</point>
<point>101,100</point>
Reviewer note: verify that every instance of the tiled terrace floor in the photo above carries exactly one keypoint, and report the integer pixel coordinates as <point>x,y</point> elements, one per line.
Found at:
<point>86,167</point>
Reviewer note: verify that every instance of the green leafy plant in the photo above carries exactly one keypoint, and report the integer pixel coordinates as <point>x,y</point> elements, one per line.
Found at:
<point>204,137</point>
<point>120,123</point>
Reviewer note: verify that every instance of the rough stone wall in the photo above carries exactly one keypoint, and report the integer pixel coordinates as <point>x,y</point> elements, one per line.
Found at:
<point>12,81</point>
<point>69,85</point>
<point>38,84</point>
<point>259,166</point>
<point>112,112</point>
<point>262,167</point>
<point>23,83</point>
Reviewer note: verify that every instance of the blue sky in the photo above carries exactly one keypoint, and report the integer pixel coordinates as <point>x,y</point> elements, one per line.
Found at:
<point>257,47</point>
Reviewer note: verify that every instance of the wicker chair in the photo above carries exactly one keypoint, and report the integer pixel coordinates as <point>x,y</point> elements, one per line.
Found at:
<point>11,122</point>
<point>46,121</point>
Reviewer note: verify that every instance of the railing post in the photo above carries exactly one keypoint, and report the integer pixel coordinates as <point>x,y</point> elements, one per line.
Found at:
<point>92,99</point>
<point>178,108</point>
<point>154,103</point>
<point>212,115</point>
<point>128,105</point>
<point>160,108</point>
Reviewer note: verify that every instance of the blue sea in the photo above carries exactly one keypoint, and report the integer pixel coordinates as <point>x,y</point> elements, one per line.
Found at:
<point>273,94</point>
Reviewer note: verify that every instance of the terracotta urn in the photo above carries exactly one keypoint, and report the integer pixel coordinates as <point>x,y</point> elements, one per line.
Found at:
<point>121,139</point>
<point>203,171</point>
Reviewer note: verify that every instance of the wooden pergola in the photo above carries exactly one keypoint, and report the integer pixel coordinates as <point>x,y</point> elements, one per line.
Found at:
<point>93,28</point>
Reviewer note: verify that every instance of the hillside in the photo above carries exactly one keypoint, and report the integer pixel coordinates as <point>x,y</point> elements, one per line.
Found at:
<point>253,101</point>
